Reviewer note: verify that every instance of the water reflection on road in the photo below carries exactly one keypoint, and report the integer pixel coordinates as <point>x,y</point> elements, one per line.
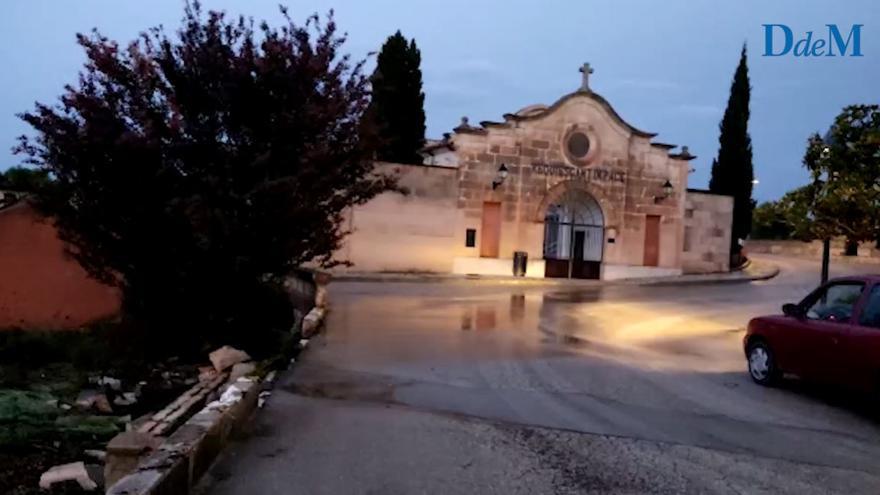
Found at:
<point>638,325</point>
<point>661,363</point>
<point>463,387</point>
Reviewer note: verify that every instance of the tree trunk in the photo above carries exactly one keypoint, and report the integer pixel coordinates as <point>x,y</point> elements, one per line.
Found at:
<point>852,248</point>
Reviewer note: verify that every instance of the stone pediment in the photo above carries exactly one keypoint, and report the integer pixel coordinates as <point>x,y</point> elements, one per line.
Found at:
<point>536,112</point>
<point>605,134</point>
<point>603,103</point>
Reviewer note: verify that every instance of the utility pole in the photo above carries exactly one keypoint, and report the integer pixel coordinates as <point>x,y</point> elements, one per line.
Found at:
<point>828,140</point>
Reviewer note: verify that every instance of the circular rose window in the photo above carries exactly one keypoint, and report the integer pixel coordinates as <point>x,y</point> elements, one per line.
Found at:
<point>578,145</point>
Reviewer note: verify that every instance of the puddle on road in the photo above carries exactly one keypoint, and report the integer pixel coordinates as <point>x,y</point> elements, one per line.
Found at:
<point>516,323</point>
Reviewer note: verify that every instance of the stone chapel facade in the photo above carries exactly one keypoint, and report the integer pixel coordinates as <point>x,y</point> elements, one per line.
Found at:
<point>580,191</point>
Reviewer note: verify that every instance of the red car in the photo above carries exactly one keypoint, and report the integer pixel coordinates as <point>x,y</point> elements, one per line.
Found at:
<point>832,336</point>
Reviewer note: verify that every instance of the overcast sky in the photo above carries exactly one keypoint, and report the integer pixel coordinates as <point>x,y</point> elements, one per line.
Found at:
<point>665,66</point>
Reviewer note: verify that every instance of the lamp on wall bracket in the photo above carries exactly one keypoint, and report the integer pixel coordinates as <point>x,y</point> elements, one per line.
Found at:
<point>667,192</point>
<point>500,176</point>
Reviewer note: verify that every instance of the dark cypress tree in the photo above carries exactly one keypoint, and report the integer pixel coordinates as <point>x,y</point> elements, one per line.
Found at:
<point>397,106</point>
<point>732,172</point>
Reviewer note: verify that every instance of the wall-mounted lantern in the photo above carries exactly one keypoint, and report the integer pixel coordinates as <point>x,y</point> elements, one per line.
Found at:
<point>500,176</point>
<point>667,192</point>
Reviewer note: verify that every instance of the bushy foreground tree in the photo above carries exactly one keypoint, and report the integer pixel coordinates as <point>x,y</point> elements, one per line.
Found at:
<point>195,170</point>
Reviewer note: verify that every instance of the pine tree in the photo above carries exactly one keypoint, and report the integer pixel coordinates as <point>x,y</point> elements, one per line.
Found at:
<point>397,105</point>
<point>732,172</point>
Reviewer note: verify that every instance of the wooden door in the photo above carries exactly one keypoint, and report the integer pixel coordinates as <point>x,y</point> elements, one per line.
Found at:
<point>578,251</point>
<point>491,238</point>
<point>652,240</point>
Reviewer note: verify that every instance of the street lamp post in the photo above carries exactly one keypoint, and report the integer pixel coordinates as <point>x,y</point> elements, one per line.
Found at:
<point>826,243</point>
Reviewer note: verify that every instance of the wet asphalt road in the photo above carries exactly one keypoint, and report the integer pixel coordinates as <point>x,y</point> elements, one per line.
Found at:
<point>471,387</point>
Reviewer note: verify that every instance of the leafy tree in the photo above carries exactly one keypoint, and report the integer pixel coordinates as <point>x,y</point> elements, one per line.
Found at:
<point>787,218</point>
<point>795,207</point>
<point>194,171</point>
<point>768,222</point>
<point>22,179</point>
<point>397,105</point>
<point>845,167</point>
<point>732,171</point>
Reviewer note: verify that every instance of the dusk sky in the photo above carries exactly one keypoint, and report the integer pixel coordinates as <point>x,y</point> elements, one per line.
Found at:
<point>666,67</point>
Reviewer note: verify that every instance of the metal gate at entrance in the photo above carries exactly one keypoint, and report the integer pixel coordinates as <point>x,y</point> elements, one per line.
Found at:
<point>574,237</point>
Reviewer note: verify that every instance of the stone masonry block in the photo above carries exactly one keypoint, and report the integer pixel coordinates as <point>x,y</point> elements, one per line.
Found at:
<point>486,158</point>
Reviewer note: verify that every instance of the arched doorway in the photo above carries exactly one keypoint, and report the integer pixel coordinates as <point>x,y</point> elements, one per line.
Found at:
<point>574,236</point>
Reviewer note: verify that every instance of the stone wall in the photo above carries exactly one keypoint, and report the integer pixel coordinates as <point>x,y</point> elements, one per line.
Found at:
<point>868,253</point>
<point>707,223</point>
<point>405,232</point>
<point>623,170</point>
<point>525,195</point>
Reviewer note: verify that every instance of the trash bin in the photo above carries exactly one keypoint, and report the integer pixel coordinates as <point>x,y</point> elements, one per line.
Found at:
<point>520,261</point>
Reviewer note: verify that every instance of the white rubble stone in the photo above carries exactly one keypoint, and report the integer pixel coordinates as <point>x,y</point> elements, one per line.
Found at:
<point>125,399</point>
<point>231,396</point>
<point>74,471</point>
<point>321,296</point>
<point>93,400</point>
<point>241,369</point>
<point>312,321</point>
<point>207,373</point>
<point>226,357</point>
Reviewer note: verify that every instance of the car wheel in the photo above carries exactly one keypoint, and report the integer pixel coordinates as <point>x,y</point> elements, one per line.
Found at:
<point>762,364</point>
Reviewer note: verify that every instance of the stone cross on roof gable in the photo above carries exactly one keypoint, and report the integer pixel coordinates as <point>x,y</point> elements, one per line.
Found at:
<point>586,70</point>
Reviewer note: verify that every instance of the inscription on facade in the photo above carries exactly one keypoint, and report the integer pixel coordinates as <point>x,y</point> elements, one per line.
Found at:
<point>593,174</point>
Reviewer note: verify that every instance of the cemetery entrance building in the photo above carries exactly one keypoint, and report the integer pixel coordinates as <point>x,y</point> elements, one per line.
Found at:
<point>570,190</point>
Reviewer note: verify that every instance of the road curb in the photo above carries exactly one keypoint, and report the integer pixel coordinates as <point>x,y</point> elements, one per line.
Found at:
<point>757,277</point>
<point>184,457</point>
<point>732,277</point>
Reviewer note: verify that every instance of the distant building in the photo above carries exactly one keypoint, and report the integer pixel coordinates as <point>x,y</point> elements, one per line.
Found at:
<point>439,152</point>
<point>41,287</point>
<point>581,191</point>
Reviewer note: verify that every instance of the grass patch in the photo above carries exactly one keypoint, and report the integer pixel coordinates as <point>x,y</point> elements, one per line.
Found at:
<point>43,371</point>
